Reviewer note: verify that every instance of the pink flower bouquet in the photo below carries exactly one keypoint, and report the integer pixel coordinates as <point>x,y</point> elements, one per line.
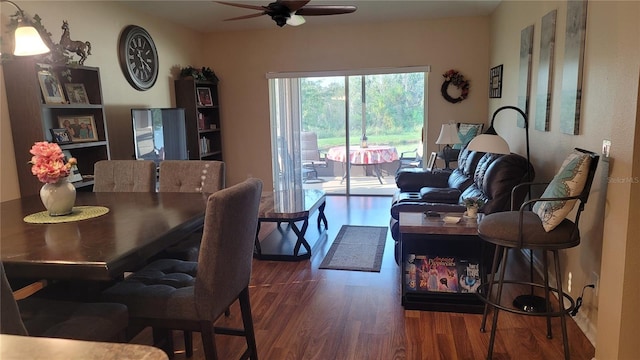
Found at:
<point>48,162</point>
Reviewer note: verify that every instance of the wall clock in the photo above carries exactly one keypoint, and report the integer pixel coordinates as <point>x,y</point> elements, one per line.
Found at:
<point>138,57</point>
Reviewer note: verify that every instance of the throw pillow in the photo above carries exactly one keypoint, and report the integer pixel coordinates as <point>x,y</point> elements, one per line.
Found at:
<point>467,132</point>
<point>569,181</point>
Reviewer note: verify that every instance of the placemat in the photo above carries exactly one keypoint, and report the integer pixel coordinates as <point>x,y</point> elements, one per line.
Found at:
<point>78,213</point>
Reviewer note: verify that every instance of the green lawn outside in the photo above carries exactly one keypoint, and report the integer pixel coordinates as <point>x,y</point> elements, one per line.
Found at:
<point>402,142</point>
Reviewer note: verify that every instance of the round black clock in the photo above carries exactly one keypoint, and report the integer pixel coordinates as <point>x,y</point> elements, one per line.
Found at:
<point>138,57</point>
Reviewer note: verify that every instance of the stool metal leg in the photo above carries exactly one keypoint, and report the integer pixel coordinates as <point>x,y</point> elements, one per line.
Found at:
<point>494,269</point>
<point>563,313</point>
<point>494,324</point>
<point>547,302</point>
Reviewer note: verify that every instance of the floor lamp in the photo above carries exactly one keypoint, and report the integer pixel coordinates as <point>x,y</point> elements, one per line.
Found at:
<point>491,142</point>
<point>448,136</point>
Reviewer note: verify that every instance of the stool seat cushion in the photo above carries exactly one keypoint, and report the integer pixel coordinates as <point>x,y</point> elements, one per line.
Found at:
<point>73,320</point>
<point>164,284</point>
<point>502,229</point>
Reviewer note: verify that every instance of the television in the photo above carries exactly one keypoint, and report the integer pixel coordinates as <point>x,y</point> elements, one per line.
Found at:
<point>159,134</point>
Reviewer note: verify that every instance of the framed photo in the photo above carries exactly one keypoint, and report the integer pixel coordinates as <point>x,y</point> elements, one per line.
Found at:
<point>50,86</point>
<point>75,173</point>
<point>204,96</point>
<point>81,127</point>
<point>61,136</point>
<point>76,93</point>
<point>495,82</point>
<point>431,165</point>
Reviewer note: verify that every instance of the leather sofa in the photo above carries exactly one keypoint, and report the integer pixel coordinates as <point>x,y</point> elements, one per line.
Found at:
<point>488,176</point>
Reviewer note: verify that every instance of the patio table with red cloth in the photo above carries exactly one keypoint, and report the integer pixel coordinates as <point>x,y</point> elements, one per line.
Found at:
<point>371,155</point>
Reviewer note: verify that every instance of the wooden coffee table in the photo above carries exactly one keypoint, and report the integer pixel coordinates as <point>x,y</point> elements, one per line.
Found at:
<point>436,261</point>
<point>291,208</point>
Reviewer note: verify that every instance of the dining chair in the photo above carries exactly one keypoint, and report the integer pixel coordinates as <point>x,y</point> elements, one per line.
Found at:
<point>124,176</point>
<point>545,227</point>
<point>35,316</point>
<point>190,176</point>
<point>157,298</point>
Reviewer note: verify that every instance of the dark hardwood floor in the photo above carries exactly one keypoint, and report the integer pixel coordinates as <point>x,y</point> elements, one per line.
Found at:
<point>301,312</point>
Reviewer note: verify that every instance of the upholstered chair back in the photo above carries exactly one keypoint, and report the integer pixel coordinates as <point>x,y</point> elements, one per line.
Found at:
<point>226,251</point>
<point>10,320</point>
<point>124,176</point>
<point>191,176</point>
<point>495,177</point>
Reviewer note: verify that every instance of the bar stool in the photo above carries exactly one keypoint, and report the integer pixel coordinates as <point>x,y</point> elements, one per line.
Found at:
<point>545,228</point>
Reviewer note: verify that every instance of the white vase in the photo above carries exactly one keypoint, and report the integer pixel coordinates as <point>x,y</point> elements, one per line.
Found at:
<point>59,197</point>
<point>472,212</point>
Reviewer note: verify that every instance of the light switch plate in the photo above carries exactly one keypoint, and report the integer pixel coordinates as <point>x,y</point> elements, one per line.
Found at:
<point>606,148</point>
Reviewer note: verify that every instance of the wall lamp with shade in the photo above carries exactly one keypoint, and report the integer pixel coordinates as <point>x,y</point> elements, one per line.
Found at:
<point>491,142</point>
<point>27,40</point>
<point>448,136</point>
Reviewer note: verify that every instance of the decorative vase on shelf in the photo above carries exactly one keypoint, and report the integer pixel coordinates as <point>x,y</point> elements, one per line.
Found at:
<point>59,197</point>
<point>472,212</point>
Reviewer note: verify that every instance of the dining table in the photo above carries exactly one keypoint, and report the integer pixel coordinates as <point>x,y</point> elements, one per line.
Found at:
<point>372,155</point>
<point>120,233</point>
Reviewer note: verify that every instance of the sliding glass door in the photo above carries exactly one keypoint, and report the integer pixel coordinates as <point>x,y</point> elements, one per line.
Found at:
<point>346,134</point>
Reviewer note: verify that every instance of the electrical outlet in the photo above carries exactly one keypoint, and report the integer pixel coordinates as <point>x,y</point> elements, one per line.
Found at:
<point>595,280</point>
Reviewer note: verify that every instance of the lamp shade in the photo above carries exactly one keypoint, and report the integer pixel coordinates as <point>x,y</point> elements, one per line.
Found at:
<point>28,42</point>
<point>448,135</point>
<point>488,143</point>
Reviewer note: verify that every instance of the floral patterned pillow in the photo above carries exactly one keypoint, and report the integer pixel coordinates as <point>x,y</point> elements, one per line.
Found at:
<point>569,181</point>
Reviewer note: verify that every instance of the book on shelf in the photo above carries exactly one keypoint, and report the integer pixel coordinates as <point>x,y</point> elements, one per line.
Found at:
<point>201,121</point>
<point>410,272</point>
<point>437,274</point>
<point>205,145</point>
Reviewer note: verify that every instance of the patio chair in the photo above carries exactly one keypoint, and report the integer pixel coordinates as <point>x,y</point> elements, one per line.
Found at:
<point>310,155</point>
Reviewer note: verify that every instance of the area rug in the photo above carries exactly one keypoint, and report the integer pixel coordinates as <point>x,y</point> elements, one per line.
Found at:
<point>358,248</point>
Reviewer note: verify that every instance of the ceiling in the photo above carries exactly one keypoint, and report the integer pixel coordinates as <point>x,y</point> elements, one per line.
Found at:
<point>208,16</point>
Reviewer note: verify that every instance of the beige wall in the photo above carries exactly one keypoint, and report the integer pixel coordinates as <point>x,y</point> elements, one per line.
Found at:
<point>242,59</point>
<point>101,24</point>
<point>609,111</point>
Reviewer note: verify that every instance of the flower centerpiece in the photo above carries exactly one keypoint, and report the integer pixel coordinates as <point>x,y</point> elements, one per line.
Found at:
<point>49,166</point>
<point>473,204</point>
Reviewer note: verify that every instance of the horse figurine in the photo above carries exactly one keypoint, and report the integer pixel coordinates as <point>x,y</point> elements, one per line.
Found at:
<point>74,46</point>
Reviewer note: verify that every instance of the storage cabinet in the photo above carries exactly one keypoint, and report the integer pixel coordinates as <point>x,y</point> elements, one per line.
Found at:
<point>32,117</point>
<point>442,265</point>
<point>202,116</point>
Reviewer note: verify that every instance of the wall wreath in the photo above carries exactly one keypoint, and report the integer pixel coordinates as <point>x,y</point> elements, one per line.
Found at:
<point>453,77</point>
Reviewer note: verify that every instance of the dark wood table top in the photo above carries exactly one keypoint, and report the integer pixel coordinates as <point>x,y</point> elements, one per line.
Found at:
<point>419,223</point>
<point>137,226</point>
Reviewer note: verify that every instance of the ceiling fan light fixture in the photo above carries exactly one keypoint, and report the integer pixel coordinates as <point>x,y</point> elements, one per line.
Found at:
<point>295,20</point>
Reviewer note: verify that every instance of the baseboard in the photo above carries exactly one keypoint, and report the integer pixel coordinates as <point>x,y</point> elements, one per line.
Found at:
<point>586,326</point>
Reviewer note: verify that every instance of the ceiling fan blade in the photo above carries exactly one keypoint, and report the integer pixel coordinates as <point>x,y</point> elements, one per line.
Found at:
<point>316,10</point>
<point>293,5</point>
<point>246,16</point>
<point>244,6</point>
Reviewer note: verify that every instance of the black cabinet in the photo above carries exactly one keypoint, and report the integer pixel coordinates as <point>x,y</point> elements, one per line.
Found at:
<point>202,116</point>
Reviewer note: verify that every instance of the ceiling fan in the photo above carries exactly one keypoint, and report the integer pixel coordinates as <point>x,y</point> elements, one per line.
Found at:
<point>288,12</point>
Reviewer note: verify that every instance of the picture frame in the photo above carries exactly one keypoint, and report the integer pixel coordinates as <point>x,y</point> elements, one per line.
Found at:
<point>61,136</point>
<point>204,96</point>
<point>495,82</point>
<point>82,128</point>
<point>75,175</point>
<point>431,164</point>
<point>76,93</point>
<point>51,88</point>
